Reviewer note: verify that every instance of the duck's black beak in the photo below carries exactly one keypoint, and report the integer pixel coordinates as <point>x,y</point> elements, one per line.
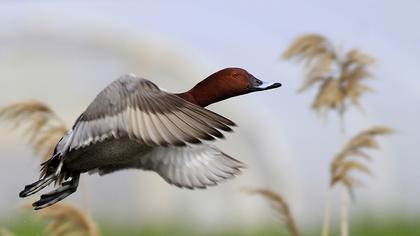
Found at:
<point>258,85</point>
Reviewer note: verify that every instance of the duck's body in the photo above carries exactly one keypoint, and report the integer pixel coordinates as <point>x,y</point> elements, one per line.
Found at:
<point>134,124</point>
<point>107,156</point>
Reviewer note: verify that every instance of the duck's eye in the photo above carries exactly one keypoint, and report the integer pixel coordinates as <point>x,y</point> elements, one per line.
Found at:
<point>259,82</point>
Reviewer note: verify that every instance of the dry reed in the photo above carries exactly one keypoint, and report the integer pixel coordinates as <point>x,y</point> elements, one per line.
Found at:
<point>42,127</point>
<point>5,232</point>
<point>279,204</point>
<point>345,161</point>
<point>340,79</point>
<point>339,76</point>
<point>67,220</point>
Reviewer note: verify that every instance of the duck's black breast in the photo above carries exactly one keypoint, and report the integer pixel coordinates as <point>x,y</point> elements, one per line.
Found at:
<point>110,152</point>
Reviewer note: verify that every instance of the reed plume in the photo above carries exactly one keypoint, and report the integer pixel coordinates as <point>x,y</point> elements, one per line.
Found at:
<point>279,204</point>
<point>339,76</point>
<point>345,161</point>
<point>42,128</point>
<point>5,232</point>
<point>67,220</point>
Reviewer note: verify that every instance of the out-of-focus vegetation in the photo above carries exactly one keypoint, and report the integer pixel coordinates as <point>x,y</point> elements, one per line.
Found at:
<point>280,205</point>
<point>341,83</point>
<point>27,225</point>
<point>67,220</point>
<point>41,126</point>
<point>345,161</point>
<point>340,77</point>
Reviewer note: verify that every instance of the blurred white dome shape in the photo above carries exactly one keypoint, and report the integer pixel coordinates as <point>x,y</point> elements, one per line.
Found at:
<point>66,64</point>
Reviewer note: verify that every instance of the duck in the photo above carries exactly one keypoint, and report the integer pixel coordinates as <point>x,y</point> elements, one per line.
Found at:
<point>134,124</point>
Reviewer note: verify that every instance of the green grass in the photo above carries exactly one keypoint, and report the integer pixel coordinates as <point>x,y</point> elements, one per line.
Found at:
<point>396,227</point>
<point>177,230</point>
<point>27,226</point>
<point>24,225</point>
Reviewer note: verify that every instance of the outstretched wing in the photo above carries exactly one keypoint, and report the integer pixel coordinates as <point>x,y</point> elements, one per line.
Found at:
<point>191,166</point>
<point>137,108</point>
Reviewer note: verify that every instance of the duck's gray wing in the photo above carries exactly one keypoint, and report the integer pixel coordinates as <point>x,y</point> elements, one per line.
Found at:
<point>190,166</point>
<point>137,108</point>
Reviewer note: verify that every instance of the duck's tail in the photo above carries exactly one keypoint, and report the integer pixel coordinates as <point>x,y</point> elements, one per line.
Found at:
<point>50,172</point>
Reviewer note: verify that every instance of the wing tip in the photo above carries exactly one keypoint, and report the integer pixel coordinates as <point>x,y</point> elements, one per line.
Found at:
<point>230,169</point>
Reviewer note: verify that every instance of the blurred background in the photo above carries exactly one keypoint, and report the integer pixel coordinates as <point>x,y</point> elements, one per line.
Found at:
<point>64,52</point>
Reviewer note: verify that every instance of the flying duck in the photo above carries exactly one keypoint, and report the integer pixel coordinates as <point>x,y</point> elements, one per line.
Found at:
<point>133,123</point>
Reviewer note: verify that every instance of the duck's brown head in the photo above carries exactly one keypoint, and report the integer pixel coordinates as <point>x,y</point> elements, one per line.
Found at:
<point>224,84</point>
